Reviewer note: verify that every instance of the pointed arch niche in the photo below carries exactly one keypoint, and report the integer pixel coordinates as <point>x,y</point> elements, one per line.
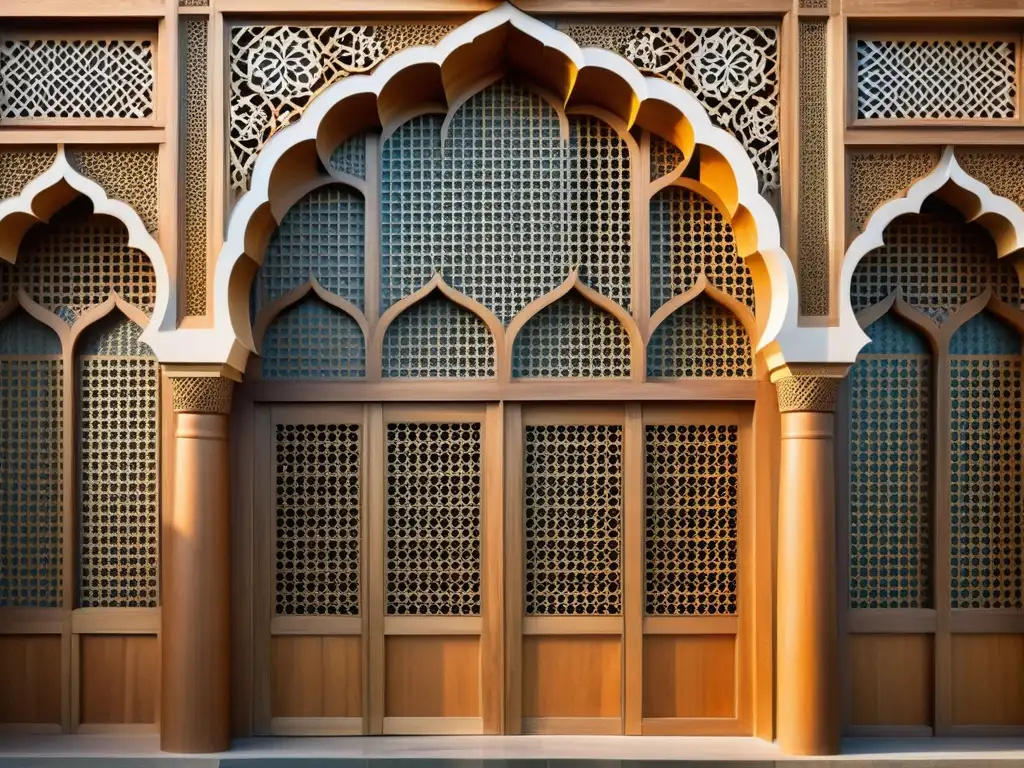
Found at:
<point>932,491</point>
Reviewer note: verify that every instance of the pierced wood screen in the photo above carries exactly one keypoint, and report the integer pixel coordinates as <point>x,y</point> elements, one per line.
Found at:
<point>31,464</point>
<point>317,527</point>
<point>194,54</point>
<point>986,495</point>
<point>573,515</point>
<point>76,77</point>
<point>692,509</point>
<point>890,478</point>
<point>313,340</point>
<point>321,236</point>
<point>432,537</point>
<point>350,157</point>
<point>700,339</point>
<point>936,78</point>
<point>436,337</point>
<point>507,206</point>
<point>118,385</point>
<point>572,337</point>
<point>76,260</point>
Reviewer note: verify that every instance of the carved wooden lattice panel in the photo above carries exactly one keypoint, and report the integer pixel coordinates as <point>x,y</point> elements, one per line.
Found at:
<point>436,337</point>
<point>118,438</point>
<point>692,525</point>
<point>986,493</point>
<point>690,236</point>
<point>506,207</point>
<point>194,46</point>
<point>317,524</point>
<point>733,72</point>
<point>700,339</point>
<point>350,157</point>
<point>31,464</point>
<point>935,78</point>
<point>937,261</point>
<point>573,518</point>
<point>665,157</point>
<point>890,479</point>
<point>76,77</point>
<point>813,236</point>
<point>18,167</point>
<point>75,261</point>
<point>321,236</point>
<point>875,177</point>
<point>313,340</point>
<point>130,175</point>
<point>275,71</point>
<point>433,519</point>
<point>572,338</point>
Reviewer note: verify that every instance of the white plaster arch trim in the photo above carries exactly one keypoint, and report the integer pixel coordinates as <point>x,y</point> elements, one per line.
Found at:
<point>1003,218</point>
<point>54,188</point>
<point>650,99</point>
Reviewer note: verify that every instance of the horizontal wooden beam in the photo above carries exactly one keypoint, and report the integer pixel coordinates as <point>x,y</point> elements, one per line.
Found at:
<point>887,621</point>
<point>934,136</point>
<point>79,9</point>
<point>933,8</point>
<point>48,136</point>
<point>316,625</point>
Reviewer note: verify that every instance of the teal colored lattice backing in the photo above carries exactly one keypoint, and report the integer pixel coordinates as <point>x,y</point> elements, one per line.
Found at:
<point>689,235</point>
<point>350,157</point>
<point>31,484</point>
<point>937,261</point>
<point>571,338</point>
<point>436,337</point>
<point>572,503</point>
<point>322,236</point>
<point>691,519</point>
<point>700,339</point>
<point>892,337</point>
<point>890,480</point>
<point>985,334</point>
<point>507,206</point>
<point>313,340</point>
<point>21,334</point>
<point>118,443</point>
<point>986,496</point>
<point>432,532</point>
<point>317,531</point>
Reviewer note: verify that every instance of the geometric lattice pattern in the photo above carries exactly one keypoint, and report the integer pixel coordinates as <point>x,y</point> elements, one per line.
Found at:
<point>275,71</point>
<point>935,78</point>
<point>317,519</point>
<point>506,207</point>
<point>1001,169</point>
<point>194,53</point>
<point>875,177</point>
<point>31,453</point>
<point>350,157</point>
<point>813,236</point>
<point>690,236</point>
<point>692,530</point>
<point>75,261</point>
<point>733,72</point>
<point>119,471</point>
<point>572,338</point>
<point>665,157</point>
<point>321,236</point>
<point>19,167</point>
<point>313,340</point>
<point>939,262</point>
<point>890,483</point>
<point>573,518</point>
<point>438,338</point>
<point>76,78</point>
<point>700,339</point>
<point>129,175</point>
<point>986,494</point>
<point>432,537</point>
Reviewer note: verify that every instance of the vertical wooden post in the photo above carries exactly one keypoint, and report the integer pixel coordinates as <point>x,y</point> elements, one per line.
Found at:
<point>808,695</point>
<point>196,613</point>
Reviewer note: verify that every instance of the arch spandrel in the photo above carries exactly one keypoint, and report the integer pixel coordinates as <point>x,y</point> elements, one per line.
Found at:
<point>492,45</point>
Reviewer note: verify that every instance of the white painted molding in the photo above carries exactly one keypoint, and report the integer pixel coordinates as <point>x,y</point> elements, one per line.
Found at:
<point>62,171</point>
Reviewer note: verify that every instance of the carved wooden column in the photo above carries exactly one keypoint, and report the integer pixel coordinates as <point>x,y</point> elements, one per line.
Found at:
<point>808,688</point>
<point>195,625</point>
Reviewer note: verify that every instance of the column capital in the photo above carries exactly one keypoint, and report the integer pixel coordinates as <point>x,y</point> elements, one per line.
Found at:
<point>808,388</point>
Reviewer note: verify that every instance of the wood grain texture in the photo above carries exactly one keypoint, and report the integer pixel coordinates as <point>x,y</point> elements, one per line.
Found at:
<point>316,677</point>
<point>431,676</point>
<point>689,676</point>
<point>120,679</point>
<point>30,679</point>
<point>987,679</point>
<point>574,676</point>
<point>891,678</point>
